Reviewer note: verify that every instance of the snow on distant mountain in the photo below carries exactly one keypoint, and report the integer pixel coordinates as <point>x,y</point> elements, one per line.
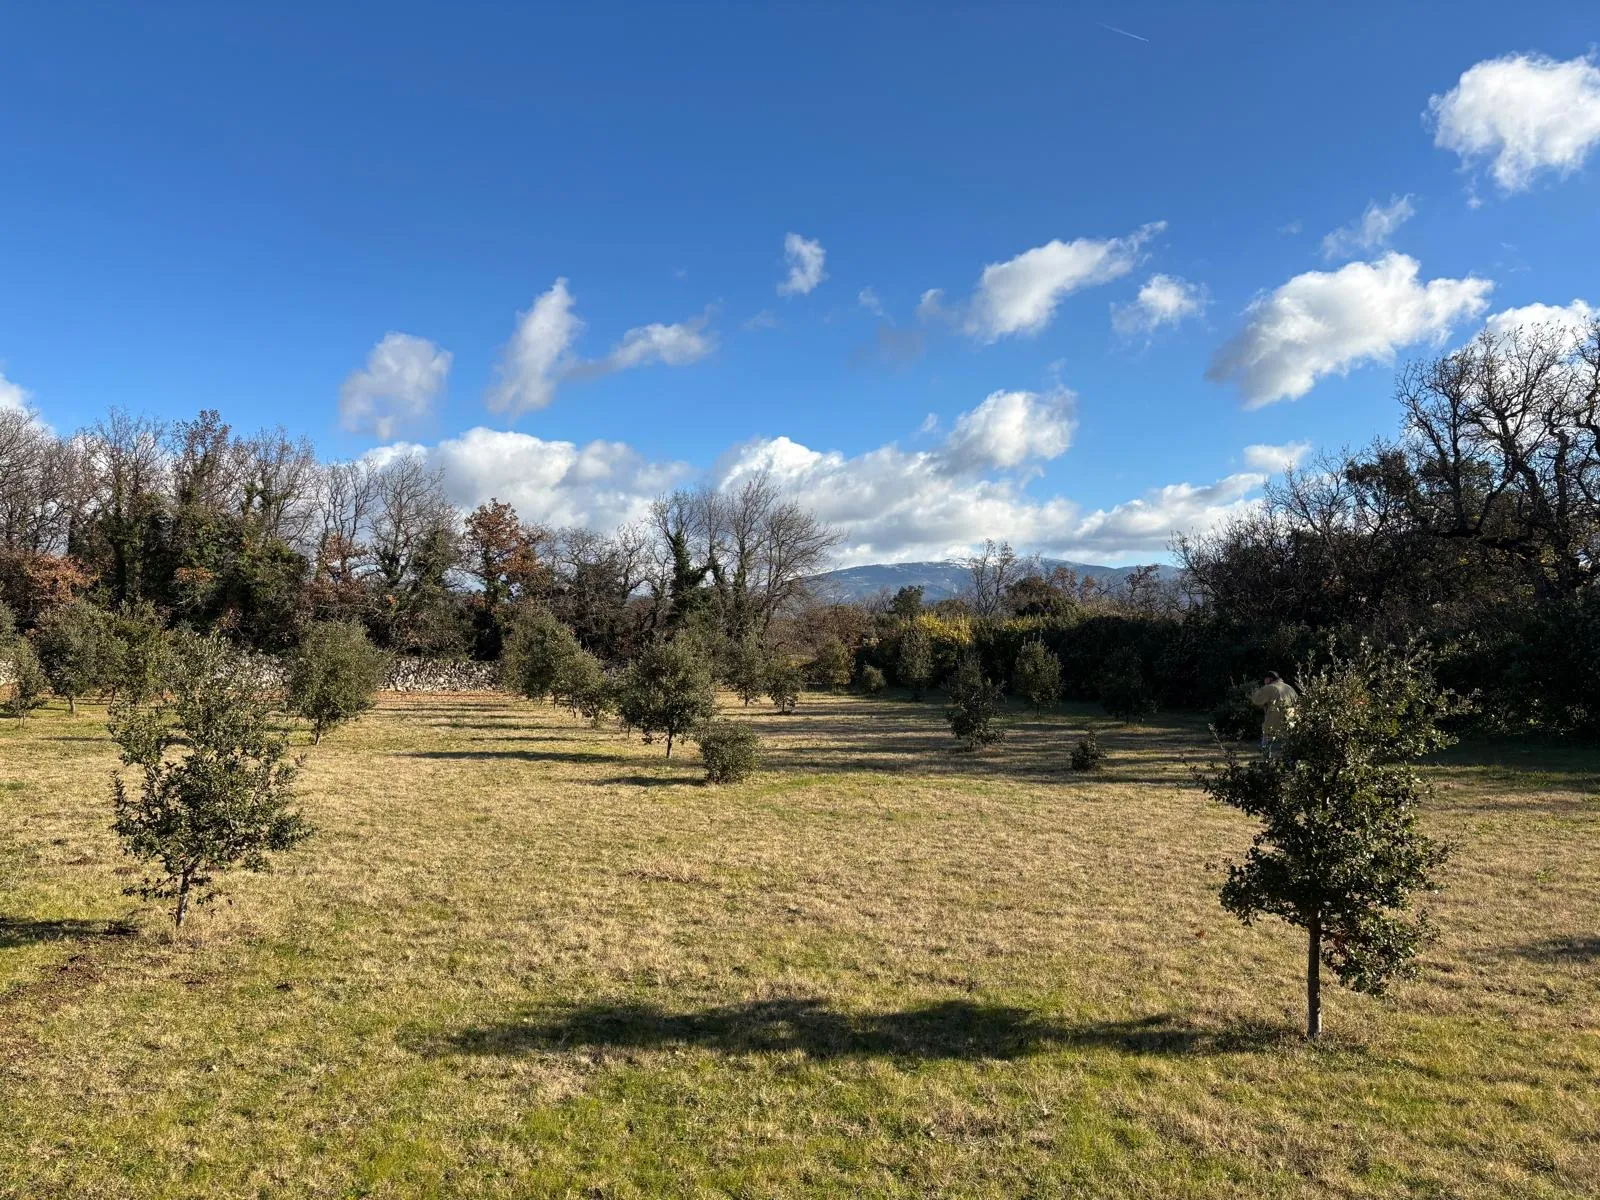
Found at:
<point>941,580</point>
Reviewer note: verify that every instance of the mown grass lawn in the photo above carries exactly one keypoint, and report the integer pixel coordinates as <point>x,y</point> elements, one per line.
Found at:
<point>526,958</point>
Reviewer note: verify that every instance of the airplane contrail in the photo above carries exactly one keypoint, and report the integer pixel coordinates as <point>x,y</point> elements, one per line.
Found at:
<point>1123,32</point>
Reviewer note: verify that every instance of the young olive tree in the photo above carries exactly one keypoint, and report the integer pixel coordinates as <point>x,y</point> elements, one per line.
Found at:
<point>78,650</point>
<point>784,681</point>
<point>914,668</point>
<point>333,675</point>
<point>29,684</point>
<point>537,652</point>
<point>1037,677</point>
<point>583,686</point>
<point>747,667</point>
<point>1339,853</point>
<point>215,787</point>
<point>668,691</point>
<point>974,704</point>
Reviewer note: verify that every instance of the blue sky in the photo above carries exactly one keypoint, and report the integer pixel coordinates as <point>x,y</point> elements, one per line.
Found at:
<point>207,207</point>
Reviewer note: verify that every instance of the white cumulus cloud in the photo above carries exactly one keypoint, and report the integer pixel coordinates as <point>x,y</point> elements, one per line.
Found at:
<point>12,395</point>
<point>404,375</point>
<point>540,355</point>
<point>537,354</point>
<point>1524,114</point>
<point>1574,319</point>
<point>1009,429</point>
<point>1322,323</point>
<point>1276,459</point>
<point>891,503</point>
<point>805,257</point>
<point>1371,231</point>
<point>1163,300</point>
<point>1020,296</point>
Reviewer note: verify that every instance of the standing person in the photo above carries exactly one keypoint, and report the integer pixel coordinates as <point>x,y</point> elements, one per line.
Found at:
<point>1276,700</point>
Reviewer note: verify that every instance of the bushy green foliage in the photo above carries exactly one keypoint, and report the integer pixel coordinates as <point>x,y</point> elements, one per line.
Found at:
<point>78,650</point>
<point>872,680</point>
<point>914,667</point>
<point>667,690</point>
<point>831,667</point>
<point>215,787</point>
<point>974,704</point>
<point>1037,676</point>
<point>730,750</point>
<point>907,602</point>
<point>1122,687</point>
<point>583,686</point>
<point>333,675</point>
<point>783,685</point>
<point>144,649</point>
<point>8,626</point>
<point>1235,719</point>
<point>1088,754</point>
<point>29,684</point>
<point>1339,853</point>
<point>746,668</point>
<point>536,652</point>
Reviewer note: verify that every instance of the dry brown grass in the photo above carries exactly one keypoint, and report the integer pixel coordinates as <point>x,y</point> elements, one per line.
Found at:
<point>522,958</point>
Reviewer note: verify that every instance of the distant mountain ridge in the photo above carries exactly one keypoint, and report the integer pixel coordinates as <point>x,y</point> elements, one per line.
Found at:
<point>941,580</point>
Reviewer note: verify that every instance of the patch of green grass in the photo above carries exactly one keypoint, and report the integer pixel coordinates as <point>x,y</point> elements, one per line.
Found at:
<point>523,957</point>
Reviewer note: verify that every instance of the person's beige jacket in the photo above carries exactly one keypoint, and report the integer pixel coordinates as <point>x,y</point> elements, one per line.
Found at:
<point>1277,702</point>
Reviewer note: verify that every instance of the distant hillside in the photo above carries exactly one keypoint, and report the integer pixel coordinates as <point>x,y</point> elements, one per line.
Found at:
<point>941,580</point>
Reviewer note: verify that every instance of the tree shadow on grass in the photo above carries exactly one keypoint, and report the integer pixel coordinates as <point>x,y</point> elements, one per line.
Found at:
<point>1563,950</point>
<point>566,756</point>
<point>951,1029</point>
<point>15,933</point>
<point>648,781</point>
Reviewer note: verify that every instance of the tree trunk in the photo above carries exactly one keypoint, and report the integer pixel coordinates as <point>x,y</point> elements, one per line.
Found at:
<point>72,705</point>
<point>669,745</point>
<point>1314,978</point>
<point>316,736</point>
<point>183,902</point>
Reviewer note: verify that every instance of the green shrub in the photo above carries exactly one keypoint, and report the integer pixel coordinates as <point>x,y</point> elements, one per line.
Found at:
<point>667,690</point>
<point>583,686</point>
<point>783,685</point>
<point>8,625</point>
<point>974,704</point>
<point>746,669</point>
<point>830,668</point>
<point>333,675</point>
<point>1037,676</point>
<point>536,652</point>
<point>872,680</point>
<point>144,649</point>
<point>78,650</point>
<point>1122,687</point>
<point>1088,754</point>
<point>914,667</point>
<point>29,684</point>
<point>1236,719</point>
<point>730,750</point>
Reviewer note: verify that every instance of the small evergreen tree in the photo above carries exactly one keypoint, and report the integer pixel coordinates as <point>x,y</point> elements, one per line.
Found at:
<point>747,667</point>
<point>730,750</point>
<point>1123,691</point>
<point>1088,754</point>
<point>974,704</point>
<point>783,685</point>
<point>29,685</point>
<point>915,665</point>
<point>333,675</point>
<point>872,680</point>
<point>143,648</point>
<point>667,690</point>
<point>1037,676</point>
<point>537,652</point>
<point>830,668</point>
<point>1339,853</point>
<point>216,783</point>
<point>584,687</point>
<point>78,650</point>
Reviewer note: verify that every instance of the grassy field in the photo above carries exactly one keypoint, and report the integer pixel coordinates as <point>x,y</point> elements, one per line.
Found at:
<point>526,958</point>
